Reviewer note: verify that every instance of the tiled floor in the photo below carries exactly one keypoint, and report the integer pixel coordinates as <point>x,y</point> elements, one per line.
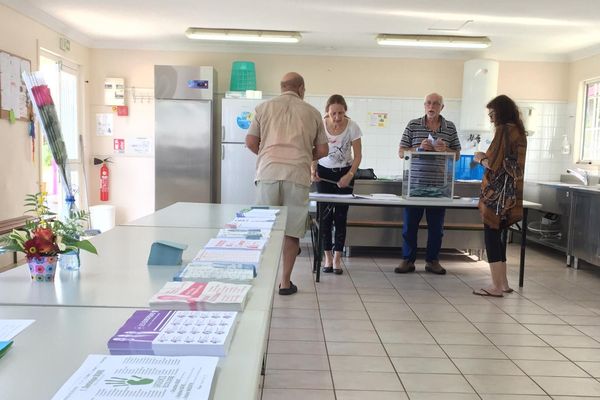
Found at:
<point>375,335</point>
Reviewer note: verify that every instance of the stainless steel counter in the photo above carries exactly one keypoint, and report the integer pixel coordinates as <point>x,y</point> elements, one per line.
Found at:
<point>576,231</point>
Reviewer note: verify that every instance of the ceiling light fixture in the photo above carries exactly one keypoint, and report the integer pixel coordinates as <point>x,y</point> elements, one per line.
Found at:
<point>459,42</point>
<point>243,35</point>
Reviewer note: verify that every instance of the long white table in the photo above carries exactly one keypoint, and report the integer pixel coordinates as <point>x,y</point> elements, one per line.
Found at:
<point>397,201</point>
<point>199,215</point>
<point>50,350</point>
<point>119,275</point>
<point>78,313</point>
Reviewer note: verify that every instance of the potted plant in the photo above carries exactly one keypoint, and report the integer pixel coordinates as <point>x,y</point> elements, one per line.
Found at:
<point>45,237</point>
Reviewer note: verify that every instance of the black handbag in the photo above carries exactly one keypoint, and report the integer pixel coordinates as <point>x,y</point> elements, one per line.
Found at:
<point>366,173</point>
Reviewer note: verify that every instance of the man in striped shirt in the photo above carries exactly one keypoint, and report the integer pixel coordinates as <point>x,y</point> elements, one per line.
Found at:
<point>416,137</point>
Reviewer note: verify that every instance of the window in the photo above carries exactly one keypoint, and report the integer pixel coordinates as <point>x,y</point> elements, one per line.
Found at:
<point>63,81</point>
<point>590,141</point>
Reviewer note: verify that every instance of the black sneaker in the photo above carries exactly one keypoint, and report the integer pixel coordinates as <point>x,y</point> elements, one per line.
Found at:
<point>287,291</point>
<point>327,270</point>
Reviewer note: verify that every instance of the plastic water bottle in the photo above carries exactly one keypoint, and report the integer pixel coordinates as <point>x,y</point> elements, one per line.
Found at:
<point>69,261</point>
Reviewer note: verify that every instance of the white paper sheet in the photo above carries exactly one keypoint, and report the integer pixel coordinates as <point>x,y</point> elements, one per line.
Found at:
<point>9,328</point>
<point>140,377</point>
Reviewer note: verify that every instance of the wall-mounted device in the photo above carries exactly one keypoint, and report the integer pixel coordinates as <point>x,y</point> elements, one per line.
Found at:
<point>114,91</point>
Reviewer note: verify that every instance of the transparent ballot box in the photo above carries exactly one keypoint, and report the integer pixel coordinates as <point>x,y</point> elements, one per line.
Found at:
<point>428,175</point>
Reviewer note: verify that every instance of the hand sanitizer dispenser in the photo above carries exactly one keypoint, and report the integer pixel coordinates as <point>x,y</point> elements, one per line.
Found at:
<point>566,146</point>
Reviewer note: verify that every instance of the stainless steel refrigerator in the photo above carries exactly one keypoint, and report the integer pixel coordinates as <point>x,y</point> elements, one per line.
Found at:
<point>183,134</point>
<point>238,163</point>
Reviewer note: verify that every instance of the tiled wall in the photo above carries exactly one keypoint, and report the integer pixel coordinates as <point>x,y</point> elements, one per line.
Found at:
<point>380,141</point>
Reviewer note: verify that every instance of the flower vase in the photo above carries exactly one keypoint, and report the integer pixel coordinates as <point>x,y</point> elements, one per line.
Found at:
<point>69,261</point>
<point>42,268</point>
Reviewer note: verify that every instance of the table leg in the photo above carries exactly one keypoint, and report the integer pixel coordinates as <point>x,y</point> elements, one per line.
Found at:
<point>523,243</point>
<point>319,257</point>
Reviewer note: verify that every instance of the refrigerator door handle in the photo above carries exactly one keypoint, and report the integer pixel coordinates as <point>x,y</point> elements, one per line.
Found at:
<point>222,152</point>
<point>222,133</point>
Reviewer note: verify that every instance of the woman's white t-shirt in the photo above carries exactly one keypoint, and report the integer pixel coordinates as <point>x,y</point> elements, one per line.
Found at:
<point>340,146</point>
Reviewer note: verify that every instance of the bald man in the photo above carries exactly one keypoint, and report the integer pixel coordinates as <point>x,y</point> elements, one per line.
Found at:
<point>416,137</point>
<point>287,134</point>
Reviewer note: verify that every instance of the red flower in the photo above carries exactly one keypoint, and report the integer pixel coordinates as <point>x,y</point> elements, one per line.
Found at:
<point>41,95</point>
<point>45,234</point>
<point>31,249</point>
<point>37,247</point>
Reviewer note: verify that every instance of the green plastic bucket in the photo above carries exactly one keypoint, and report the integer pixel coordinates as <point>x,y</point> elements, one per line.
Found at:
<point>243,76</point>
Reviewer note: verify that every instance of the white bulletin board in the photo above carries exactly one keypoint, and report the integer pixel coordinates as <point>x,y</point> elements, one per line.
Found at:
<point>13,93</point>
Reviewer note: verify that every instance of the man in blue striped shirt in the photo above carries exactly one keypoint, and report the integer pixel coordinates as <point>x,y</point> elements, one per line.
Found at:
<point>432,132</point>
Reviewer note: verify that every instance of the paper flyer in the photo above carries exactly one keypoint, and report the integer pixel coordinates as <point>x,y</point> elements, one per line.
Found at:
<point>104,124</point>
<point>9,328</point>
<point>378,119</point>
<point>140,377</point>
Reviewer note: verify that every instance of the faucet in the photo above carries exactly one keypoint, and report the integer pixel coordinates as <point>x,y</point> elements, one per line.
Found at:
<point>580,174</point>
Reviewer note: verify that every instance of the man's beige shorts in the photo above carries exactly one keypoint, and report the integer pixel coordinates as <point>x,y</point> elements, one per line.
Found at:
<point>291,195</point>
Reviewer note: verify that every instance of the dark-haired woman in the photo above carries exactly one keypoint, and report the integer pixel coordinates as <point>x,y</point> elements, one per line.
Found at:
<point>507,151</point>
<point>340,165</point>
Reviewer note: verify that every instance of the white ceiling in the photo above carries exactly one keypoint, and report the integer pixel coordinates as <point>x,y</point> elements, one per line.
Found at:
<point>543,30</point>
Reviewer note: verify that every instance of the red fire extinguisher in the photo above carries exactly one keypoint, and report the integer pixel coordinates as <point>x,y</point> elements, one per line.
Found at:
<point>104,174</point>
<point>104,182</point>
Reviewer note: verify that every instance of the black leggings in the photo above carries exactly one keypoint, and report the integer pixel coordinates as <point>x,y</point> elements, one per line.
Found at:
<point>494,245</point>
<point>333,214</point>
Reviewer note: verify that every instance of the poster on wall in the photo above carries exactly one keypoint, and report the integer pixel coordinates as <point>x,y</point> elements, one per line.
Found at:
<point>378,119</point>
<point>139,146</point>
<point>104,124</point>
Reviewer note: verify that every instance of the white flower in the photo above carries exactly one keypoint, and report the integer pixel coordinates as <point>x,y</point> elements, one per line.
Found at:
<point>60,244</point>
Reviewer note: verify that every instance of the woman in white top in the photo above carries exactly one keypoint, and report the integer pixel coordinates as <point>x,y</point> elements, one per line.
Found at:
<point>340,165</point>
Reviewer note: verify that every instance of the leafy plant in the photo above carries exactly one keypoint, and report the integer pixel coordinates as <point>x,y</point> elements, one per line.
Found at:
<point>45,235</point>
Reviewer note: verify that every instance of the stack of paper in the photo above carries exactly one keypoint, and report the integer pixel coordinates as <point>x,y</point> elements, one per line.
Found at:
<point>222,272</point>
<point>250,223</point>
<point>258,212</point>
<point>140,377</point>
<point>211,296</point>
<point>174,333</point>
<point>244,233</point>
<point>228,256</point>
<point>236,244</point>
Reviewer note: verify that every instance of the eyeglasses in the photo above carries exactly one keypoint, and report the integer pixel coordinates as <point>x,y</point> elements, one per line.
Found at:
<point>491,113</point>
<point>433,103</point>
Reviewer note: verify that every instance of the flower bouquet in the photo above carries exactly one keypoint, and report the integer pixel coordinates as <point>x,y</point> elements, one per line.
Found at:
<point>45,237</point>
<point>45,110</point>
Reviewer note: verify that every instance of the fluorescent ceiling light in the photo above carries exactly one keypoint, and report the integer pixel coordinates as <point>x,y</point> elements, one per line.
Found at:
<point>460,42</point>
<point>242,35</point>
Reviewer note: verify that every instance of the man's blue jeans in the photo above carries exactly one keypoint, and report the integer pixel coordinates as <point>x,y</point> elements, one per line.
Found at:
<point>435,232</point>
